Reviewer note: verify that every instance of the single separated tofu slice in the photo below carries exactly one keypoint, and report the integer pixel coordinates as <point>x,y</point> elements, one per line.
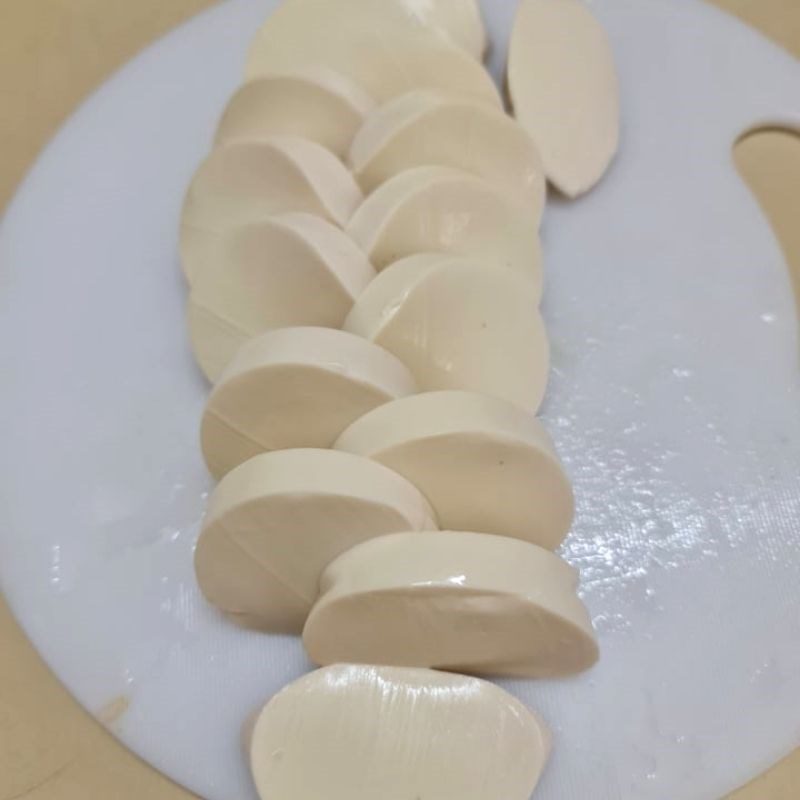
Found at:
<point>564,90</point>
<point>386,46</point>
<point>445,210</point>
<point>484,464</point>
<point>352,732</point>
<point>466,602</point>
<point>243,182</point>
<point>312,102</point>
<point>425,127</point>
<point>459,323</point>
<point>295,387</point>
<point>288,270</point>
<point>276,521</point>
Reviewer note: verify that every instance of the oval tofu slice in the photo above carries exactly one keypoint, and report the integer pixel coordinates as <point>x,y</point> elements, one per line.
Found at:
<point>445,210</point>
<point>466,602</point>
<point>426,127</point>
<point>289,270</point>
<point>484,464</point>
<point>383,46</point>
<point>352,732</point>
<point>295,387</point>
<point>313,102</point>
<point>564,90</point>
<point>244,182</point>
<point>458,22</point>
<point>276,521</point>
<point>459,324</point>
<point>461,21</point>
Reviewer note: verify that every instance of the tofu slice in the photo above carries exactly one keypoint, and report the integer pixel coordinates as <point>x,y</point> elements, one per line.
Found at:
<point>564,90</point>
<point>276,521</point>
<point>484,464</point>
<point>466,602</point>
<point>295,387</point>
<point>313,103</point>
<point>459,323</point>
<point>353,732</point>
<point>386,46</point>
<point>243,182</point>
<point>288,270</point>
<point>461,20</point>
<point>425,127</point>
<point>445,210</point>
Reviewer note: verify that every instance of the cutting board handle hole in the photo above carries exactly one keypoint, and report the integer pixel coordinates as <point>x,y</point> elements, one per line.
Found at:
<point>768,159</point>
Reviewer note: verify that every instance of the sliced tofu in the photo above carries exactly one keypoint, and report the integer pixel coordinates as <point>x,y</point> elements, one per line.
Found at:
<point>424,127</point>
<point>276,521</point>
<point>244,182</point>
<point>288,270</point>
<point>564,90</point>
<point>466,602</point>
<point>352,732</point>
<point>445,210</point>
<point>311,102</point>
<point>295,387</point>
<point>459,324</point>
<point>461,20</point>
<point>457,21</point>
<point>386,46</point>
<point>484,464</point>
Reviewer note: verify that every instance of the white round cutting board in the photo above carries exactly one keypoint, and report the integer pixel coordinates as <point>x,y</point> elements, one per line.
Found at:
<point>675,401</point>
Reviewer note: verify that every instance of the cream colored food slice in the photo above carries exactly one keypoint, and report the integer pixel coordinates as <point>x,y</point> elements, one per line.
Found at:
<point>484,464</point>
<point>289,270</point>
<point>461,20</point>
<point>445,210</point>
<point>386,46</point>
<point>295,387</point>
<point>276,521</point>
<point>459,324</point>
<point>427,127</point>
<point>244,182</point>
<point>564,90</point>
<point>457,21</point>
<point>352,732</point>
<point>466,602</point>
<point>311,102</point>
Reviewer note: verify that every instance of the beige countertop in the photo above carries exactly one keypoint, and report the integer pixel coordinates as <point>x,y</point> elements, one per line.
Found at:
<point>52,52</point>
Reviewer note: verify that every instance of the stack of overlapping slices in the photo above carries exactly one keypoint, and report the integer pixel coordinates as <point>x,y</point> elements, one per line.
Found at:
<point>362,248</point>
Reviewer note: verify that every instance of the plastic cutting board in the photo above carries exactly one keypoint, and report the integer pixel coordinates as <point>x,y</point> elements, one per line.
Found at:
<point>675,401</point>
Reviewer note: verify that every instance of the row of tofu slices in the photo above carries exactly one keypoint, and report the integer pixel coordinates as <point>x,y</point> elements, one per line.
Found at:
<point>362,248</point>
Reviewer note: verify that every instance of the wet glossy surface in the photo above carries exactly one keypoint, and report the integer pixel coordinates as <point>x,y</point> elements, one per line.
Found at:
<point>392,730</point>
<point>673,401</point>
<point>463,602</point>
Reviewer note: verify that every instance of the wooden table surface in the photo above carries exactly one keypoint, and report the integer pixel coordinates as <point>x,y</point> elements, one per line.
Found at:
<point>52,53</point>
